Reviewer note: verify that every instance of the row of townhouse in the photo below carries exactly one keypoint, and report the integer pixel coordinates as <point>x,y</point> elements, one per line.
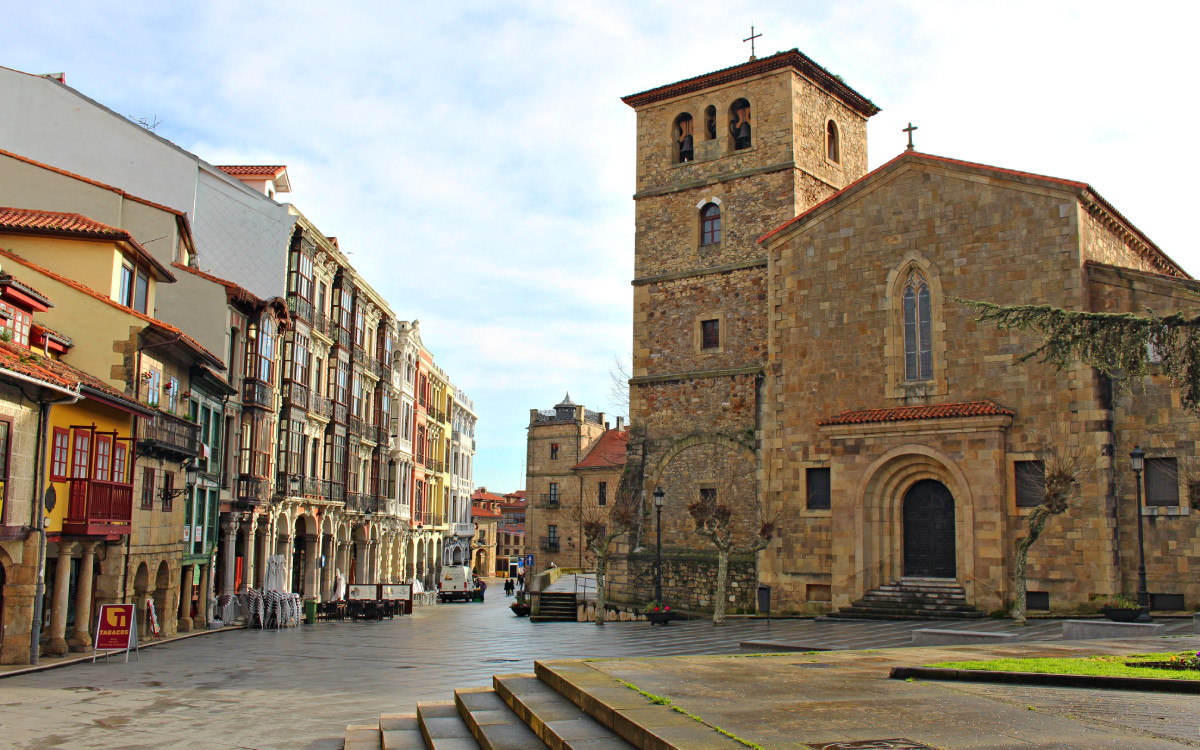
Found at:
<point>165,430</point>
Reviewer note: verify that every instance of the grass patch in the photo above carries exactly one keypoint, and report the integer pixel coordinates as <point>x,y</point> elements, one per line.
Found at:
<point>1095,666</point>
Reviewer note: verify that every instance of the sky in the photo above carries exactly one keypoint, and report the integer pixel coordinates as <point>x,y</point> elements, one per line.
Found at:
<point>475,159</point>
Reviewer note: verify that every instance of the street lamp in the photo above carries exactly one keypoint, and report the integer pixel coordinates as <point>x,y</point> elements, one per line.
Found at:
<point>1138,457</point>
<point>658,503</point>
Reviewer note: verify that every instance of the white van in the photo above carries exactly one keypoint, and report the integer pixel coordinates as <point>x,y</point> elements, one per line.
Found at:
<point>457,584</point>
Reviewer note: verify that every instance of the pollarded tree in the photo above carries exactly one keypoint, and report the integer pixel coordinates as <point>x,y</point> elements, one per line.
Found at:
<point>1062,470</point>
<point>1120,345</point>
<point>725,506</point>
<point>601,528</point>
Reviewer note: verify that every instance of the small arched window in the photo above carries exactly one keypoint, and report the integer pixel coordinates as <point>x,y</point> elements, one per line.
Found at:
<point>739,124</point>
<point>710,122</point>
<point>833,148</point>
<point>683,136</point>
<point>710,225</point>
<point>918,329</point>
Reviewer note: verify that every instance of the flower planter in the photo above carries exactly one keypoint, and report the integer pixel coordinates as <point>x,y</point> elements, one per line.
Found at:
<point>659,618</point>
<point>519,609</point>
<point>1123,614</point>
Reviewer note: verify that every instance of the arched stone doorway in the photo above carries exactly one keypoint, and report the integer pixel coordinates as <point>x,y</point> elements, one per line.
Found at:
<point>929,549</point>
<point>162,598</point>
<point>456,556</point>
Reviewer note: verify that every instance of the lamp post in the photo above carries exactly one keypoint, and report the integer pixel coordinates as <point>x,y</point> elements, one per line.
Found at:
<point>658,503</point>
<point>1138,458</point>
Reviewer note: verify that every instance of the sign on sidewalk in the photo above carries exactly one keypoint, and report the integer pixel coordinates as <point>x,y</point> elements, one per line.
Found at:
<point>116,629</point>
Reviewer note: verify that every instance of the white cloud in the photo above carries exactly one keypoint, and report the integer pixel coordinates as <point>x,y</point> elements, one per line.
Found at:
<point>477,161</point>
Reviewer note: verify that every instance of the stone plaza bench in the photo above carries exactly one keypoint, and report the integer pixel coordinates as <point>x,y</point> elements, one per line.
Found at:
<point>1091,630</point>
<point>940,637</point>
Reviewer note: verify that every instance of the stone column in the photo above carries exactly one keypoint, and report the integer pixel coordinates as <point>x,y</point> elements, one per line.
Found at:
<point>57,645</point>
<point>362,558</point>
<point>229,525</point>
<point>81,640</point>
<point>314,587</point>
<point>251,556</point>
<point>184,623</point>
<point>203,613</point>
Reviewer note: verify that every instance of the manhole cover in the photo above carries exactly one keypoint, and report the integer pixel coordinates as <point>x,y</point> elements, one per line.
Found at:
<point>896,743</point>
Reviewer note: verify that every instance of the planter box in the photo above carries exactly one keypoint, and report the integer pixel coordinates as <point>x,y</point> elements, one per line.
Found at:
<point>659,618</point>
<point>1122,614</point>
<point>936,637</point>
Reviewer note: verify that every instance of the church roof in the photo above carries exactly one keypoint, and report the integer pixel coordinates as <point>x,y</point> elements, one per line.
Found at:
<point>1082,190</point>
<point>792,58</point>
<point>566,401</point>
<point>908,413</point>
<point>608,452</point>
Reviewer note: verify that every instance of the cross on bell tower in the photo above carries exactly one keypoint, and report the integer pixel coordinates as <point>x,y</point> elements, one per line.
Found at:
<point>751,39</point>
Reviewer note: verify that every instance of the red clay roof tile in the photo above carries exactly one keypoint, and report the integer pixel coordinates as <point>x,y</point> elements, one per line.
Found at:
<point>252,170</point>
<point>907,413</point>
<point>155,322</point>
<point>608,452</point>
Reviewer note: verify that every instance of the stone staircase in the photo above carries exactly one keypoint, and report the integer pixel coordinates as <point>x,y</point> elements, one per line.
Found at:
<point>912,599</point>
<point>564,705</point>
<point>555,606</point>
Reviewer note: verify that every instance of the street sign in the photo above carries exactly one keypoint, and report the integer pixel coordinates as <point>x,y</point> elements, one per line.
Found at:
<point>529,561</point>
<point>116,629</point>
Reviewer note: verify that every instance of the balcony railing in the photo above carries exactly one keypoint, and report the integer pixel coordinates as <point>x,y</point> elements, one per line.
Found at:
<point>164,434</point>
<point>257,393</point>
<point>340,411</point>
<point>343,338</point>
<point>96,507</point>
<point>380,435</point>
<point>429,519</point>
<point>254,490</point>
<point>549,543</point>
<point>321,323</point>
<point>356,425</point>
<point>295,394</point>
<point>361,503</point>
<point>300,306</point>
<point>337,492</point>
<point>550,499</point>
<point>289,485</point>
<point>320,405</point>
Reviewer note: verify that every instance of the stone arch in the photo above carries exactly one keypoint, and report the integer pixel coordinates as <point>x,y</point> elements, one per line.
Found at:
<point>162,596</point>
<point>879,514</point>
<point>655,474</point>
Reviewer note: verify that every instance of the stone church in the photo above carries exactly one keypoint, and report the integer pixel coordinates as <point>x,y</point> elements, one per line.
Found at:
<point>796,311</point>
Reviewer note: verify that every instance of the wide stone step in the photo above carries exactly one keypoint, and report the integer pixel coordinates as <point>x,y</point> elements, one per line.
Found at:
<point>558,722</point>
<point>492,723</point>
<point>924,601</point>
<point>364,737</point>
<point>905,604</point>
<point>626,712</point>
<point>849,614</point>
<point>442,728</point>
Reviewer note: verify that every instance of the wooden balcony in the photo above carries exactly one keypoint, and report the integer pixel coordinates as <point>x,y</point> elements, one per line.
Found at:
<point>166,436</point>
<point>254,491</point>
<point>258,393</point>
<point>295,394</point>
<point>96,508</point>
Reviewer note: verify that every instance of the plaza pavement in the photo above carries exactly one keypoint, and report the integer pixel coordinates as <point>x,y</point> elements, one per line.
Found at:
<point>299,688</point>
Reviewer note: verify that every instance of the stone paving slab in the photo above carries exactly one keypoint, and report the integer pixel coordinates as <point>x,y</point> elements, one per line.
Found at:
<point>794,700</point>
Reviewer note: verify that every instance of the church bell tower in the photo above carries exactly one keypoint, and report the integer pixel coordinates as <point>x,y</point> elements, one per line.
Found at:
<point>722,159</point>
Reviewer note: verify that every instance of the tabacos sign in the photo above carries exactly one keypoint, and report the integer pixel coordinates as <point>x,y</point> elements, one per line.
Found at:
<point>116,629</point>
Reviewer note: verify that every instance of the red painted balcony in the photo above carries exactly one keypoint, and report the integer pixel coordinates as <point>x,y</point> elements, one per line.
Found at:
<point>97,508</point>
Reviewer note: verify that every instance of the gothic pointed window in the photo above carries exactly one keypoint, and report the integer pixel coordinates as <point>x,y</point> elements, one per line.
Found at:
<point>710,225</point>
<point>833,148</point>
<point>918,329</point>
<point>683,137</point>
<point>739,124</point>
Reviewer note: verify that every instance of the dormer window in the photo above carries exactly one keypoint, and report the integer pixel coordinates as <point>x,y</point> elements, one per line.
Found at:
<point>135,287</point>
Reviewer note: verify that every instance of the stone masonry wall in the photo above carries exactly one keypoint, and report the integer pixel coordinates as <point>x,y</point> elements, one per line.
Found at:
<point>689,579</point>
<point>835,340</point>
<point>667,340</point>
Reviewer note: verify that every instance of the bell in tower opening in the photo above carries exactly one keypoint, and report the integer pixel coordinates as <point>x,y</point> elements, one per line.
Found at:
<point>683,136</point>
<point>739,124</point>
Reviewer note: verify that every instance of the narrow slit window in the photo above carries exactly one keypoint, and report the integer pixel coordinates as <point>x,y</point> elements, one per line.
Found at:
<point>833,148</point>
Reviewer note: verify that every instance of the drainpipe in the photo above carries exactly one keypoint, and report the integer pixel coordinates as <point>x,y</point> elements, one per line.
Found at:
<point>37,517</point>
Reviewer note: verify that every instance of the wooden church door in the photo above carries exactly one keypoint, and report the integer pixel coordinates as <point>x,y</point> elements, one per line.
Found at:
<point>929,531</point>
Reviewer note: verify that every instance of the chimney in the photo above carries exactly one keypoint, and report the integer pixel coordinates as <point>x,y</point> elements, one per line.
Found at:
<point>620,423</point>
